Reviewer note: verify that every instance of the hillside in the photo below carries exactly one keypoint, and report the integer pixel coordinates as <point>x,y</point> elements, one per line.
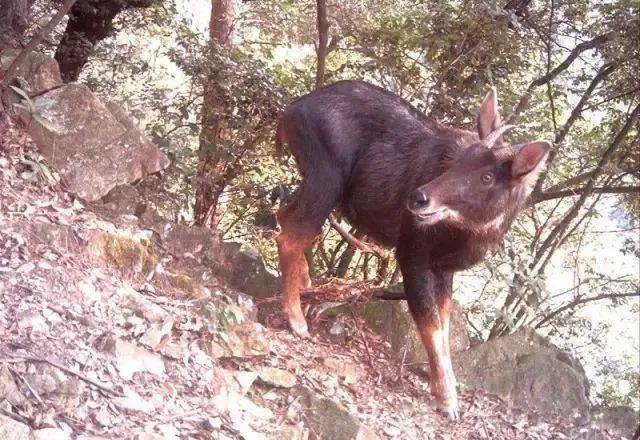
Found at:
<point>109,329</point>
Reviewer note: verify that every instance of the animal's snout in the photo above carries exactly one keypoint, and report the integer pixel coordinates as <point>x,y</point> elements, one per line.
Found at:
<point>418,201</point>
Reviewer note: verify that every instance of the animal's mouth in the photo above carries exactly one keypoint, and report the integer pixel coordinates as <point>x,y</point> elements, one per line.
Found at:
<point>431,217</point>
<point>430,214</point>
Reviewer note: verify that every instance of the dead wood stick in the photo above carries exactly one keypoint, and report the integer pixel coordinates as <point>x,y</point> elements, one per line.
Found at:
<point>363,337</point>
<point>63,368</point>
<point>367,248</point>
<point>15,416</point>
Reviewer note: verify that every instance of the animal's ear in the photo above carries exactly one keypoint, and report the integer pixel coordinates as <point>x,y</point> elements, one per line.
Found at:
<point>488,116</point>
<point>529,161</point>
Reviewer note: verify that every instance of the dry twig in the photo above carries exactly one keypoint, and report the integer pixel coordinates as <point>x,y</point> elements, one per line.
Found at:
<point>18,359</point>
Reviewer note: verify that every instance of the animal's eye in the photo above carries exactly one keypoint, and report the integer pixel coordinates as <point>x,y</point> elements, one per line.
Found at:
<point>487,178</point>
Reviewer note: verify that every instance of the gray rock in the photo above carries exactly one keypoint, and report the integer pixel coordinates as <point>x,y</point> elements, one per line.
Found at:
<point>123,199</point>
<point>528,370</point>
<point>393,319</point>
<point>246,272</point>
<point>60,237</point>
<point>38,72</point>
<point>89,146</point>
<point>331,420</point>
<point>240,341</point>
<point>620,419</point>
<point>13,430</point>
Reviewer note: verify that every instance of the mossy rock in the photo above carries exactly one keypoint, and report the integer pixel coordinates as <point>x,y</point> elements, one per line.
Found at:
<point>123,252</point>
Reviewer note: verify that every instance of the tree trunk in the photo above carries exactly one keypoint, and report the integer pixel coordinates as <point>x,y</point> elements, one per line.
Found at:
<point>211,176</point>
<point>323,41</point>
<point>90,21</point>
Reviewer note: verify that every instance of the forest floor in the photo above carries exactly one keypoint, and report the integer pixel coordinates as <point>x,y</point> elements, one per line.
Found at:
<point>87,351</point>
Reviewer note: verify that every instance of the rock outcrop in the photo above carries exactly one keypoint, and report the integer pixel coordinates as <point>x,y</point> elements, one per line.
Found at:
<point>393,319</point>
<point>91,145</point>
<point>529,371</point>
<point>37,74</point>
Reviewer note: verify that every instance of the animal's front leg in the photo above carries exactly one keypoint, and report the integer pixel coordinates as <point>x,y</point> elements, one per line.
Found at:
<point>429,297</point>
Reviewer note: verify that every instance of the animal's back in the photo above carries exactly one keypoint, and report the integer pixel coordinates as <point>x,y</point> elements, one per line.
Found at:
<point>343,119</point>
<point>374,138</point>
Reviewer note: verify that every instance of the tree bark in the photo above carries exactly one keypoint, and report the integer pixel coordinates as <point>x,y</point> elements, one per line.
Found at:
<point>211,175</point>
<point>323,41</point>
<point>90,21</point>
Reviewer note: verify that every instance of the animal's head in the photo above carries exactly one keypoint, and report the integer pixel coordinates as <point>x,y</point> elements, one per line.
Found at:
<point>485,185</point>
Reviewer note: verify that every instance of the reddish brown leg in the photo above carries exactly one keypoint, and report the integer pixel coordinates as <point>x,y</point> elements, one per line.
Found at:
<point>444,311</point>
<point>292,241</point>
<point>429,297</point>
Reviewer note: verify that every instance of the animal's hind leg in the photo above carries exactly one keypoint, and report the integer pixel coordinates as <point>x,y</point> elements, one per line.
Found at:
<point>300,222</point>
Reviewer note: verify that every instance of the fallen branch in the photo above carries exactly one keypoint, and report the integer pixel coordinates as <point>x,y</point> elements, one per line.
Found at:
<point>18,359</point>
<point>364,247</point>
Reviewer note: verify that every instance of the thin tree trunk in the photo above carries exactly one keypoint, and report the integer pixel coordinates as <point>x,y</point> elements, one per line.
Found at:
<point>323,41</point>
<point>211,173</point>
<point>90,21</point>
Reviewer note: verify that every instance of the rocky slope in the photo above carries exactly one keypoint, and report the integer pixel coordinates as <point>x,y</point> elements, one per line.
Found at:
<point>105,334</point>
<point>116,323</point>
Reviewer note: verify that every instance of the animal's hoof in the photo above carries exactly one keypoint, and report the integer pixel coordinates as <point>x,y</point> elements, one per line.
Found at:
<point>300,329</point>
<point>453,414</point>
<point>451,410</point>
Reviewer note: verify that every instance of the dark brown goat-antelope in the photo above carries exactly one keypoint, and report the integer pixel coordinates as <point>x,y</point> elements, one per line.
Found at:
<point>440,195</point>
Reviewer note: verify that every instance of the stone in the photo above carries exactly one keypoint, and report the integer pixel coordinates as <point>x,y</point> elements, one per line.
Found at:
<point>290,433</point>
<point>13,430</point>
<point>51,434</point>
<point>123,199</point>
<point>39,72</point>
<point>331,420</point>
<point>87,144</point>
<point>622,420</point>
<point>246,272</point>
<point>243,340</point>
<point>131,359</point>
<point>393,319</point>
<point>277,377</point>
<point>61,237</point>
<point>526,369</point>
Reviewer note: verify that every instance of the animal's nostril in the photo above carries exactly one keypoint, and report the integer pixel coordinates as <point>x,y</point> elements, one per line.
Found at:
<point>418,200</point>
